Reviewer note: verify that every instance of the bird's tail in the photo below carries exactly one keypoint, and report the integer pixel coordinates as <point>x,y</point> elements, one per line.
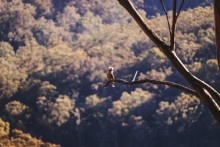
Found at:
<point>113,84</point>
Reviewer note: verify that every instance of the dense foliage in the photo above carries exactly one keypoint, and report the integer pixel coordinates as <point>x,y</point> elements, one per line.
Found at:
<point>53,60</point>
<point>18,138</point>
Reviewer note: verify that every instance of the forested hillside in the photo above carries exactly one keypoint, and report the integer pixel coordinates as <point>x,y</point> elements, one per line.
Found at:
<point>54,56</point>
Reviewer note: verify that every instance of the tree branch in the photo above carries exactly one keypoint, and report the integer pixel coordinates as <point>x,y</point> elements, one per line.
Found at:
<point>180,8</point>
<point>165,11</point>
<point>175,16</point>
<point>172,39</point>
<point>143,25</point>
<point>167,83</point>
<point>205,91</point>
<point>135,76</point>
<point>209,88</point>
<point>217,28</point>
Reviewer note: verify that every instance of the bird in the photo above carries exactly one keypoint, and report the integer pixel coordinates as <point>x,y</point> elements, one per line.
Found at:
<point>110,75</point>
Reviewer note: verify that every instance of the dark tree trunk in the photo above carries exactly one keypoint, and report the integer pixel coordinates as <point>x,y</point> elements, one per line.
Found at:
<point>217,28</point>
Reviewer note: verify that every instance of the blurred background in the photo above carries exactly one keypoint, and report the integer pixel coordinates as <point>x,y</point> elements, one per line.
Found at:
<point>54,55</point>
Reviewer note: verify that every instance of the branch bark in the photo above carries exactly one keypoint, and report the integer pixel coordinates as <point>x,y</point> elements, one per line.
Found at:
<point>166,83</point>
<point>172,39</point>
<point>217,28</point>
<point>206,93</point>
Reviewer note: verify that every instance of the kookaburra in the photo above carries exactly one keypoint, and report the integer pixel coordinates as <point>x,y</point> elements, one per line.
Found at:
<point>110,75</point>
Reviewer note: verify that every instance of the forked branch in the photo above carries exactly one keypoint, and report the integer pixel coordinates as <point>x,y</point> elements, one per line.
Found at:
<point>175,16</point>
<point>174,20</point>
<point>205,92</point>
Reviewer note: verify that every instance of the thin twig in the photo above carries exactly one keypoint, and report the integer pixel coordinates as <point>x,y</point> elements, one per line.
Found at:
<point>168,83</point>
<point>167,17</point>
<point>135,76</point>
<point>127,4</point>
<point>180,8</point>
<point>175,16</point>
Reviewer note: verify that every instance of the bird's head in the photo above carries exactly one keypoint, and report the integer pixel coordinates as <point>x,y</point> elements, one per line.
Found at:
<point>110,68</point>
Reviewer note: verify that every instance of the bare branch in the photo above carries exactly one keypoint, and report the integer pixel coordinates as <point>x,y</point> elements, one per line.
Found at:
<point>175,16</point>
<point>143,25</point>
<point>167,17</point>
<point>172,39</point>
<point>180,8</point>
<point>135,76</point>
<point>167,83</point>
<point>217,28</point>
<point>209,89</point>
<point>204,91</point>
